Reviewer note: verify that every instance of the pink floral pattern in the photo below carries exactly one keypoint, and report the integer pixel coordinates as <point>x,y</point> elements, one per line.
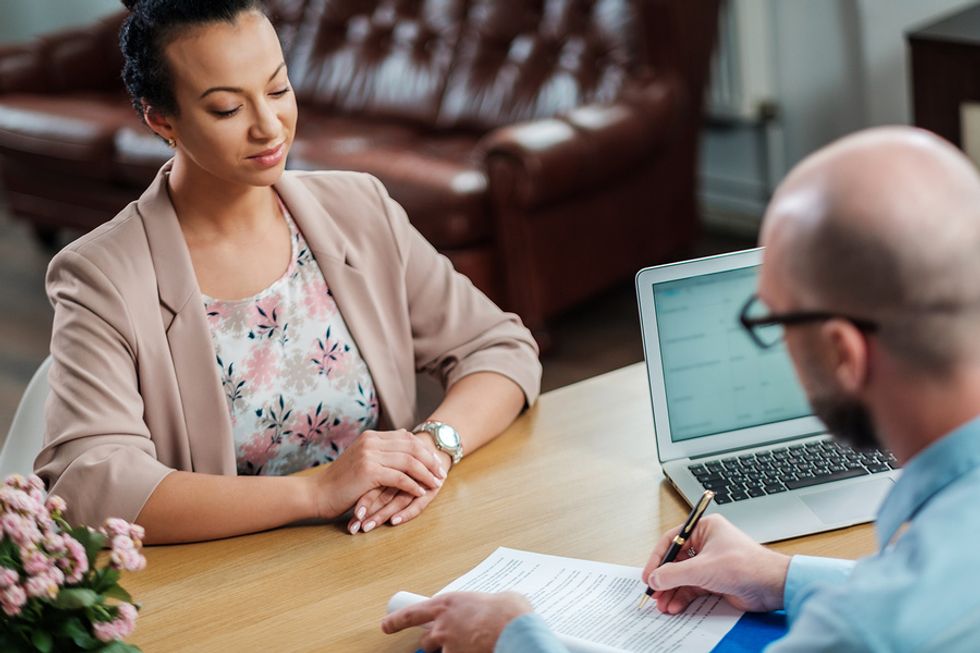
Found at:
<point>297,389</point>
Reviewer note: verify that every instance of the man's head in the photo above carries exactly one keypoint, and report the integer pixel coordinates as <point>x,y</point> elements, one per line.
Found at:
<point>883,226</point>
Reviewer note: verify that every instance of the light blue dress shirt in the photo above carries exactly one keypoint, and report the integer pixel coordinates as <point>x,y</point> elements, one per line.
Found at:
<point>920,592</point>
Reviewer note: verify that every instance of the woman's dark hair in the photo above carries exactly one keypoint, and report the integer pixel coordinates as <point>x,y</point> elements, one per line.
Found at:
<point>149,28</point>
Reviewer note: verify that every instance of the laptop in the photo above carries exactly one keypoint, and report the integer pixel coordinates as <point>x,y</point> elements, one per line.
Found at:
<point>731,417</point>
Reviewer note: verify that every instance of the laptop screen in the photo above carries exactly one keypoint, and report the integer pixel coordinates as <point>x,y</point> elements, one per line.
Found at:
<point>716,379</point>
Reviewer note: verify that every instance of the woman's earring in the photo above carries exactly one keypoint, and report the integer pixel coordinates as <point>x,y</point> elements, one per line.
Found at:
<point>172,142</point>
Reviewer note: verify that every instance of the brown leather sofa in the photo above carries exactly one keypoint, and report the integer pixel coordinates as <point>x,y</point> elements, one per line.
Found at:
<point>547,147</point>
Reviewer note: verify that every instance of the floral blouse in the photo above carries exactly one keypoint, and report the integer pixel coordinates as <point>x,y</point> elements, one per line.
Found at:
<point>297,388</point>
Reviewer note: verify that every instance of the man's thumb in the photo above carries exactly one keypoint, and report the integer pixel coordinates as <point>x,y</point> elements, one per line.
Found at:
<point>678,574</point>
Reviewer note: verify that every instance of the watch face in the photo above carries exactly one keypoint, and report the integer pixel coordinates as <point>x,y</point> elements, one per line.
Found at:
<point>447,436</point>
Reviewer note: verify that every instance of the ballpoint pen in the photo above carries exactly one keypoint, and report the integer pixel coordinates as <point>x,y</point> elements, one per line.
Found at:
<point>682,536</point>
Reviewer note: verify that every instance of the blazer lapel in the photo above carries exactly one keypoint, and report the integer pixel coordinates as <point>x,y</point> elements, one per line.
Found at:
<point>353,295</point>
<point>206,417</point>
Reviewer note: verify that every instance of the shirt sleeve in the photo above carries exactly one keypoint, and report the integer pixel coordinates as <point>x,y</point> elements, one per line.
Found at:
<point>98,452</point>
<point>815,626</point>
<point>528,634</point>
<point>805,573</point>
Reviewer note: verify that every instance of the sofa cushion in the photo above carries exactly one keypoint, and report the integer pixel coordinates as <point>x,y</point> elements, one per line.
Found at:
<point>380,59</point>
<point>70,133</point>
<point>520,60</point>
<point>139,153</point>
<point>437,177</point>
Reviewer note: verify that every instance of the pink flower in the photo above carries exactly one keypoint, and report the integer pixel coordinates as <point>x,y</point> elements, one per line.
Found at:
<point>12,599</point>
<point>122,543</point>
<point>55,504</point>
<point>44,585</point>
<point>54,543</point>
<point>130,560</point>
<point>115,526</point>
<point>36,563</point>
<point>259,367</point>
<point>20,529</point>
<point>17,481</point>
<point>318,303</point>
<point>75,564</point>
<point>7,577</point>
<point>137,533</point>
<point>119,628</point>
<point>19,501</point>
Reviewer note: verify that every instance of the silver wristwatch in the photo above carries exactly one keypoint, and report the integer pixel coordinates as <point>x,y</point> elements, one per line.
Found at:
<point>445,438</point>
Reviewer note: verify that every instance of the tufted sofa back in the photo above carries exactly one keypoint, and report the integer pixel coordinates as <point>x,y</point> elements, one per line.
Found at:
<point>475,64</point>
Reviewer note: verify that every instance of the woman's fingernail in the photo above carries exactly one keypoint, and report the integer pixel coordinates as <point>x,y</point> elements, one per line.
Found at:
<point>360,512</point>
<point>439,482</point>
<point>442,472</point>
<point>395,521</point>
<point>368,526</point>
<point>356,526</point>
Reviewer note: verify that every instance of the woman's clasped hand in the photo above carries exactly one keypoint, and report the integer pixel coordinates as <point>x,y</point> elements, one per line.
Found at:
<point>376,461</point>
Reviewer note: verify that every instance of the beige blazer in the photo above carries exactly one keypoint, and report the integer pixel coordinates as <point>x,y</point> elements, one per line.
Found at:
<point>135,389</point>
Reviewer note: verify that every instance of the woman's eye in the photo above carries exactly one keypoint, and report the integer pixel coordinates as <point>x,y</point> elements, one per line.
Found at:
<point>280,93</point>
<point>226,114</point>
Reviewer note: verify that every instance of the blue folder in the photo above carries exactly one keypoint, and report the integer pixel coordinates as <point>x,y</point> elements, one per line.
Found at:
<point>753,632</point>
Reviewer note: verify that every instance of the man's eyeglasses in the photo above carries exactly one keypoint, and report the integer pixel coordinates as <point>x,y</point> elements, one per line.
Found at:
<point>766,329</point>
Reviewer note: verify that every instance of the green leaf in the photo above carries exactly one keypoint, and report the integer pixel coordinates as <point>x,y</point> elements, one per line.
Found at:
<point>11,643</point>
<point>72,599</point>
<point>117,592</point>
<point>74,629</point>
<point>105,579</point>
<point>92,541</point>
<point>42,641</point>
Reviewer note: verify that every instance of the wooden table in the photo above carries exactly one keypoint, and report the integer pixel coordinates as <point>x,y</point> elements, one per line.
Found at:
<point>575,476</point>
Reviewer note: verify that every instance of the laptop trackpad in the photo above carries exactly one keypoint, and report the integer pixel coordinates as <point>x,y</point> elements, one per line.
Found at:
<point>858,501</point>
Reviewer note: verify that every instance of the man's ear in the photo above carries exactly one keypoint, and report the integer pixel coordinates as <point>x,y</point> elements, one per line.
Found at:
<point>848,349</point>
<point>158,122</point>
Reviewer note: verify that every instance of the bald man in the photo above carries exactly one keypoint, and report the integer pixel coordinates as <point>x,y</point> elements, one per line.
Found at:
<point>882,230</point>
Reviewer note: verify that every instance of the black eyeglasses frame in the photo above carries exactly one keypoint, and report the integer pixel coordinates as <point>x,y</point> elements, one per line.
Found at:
<point>793,318</point>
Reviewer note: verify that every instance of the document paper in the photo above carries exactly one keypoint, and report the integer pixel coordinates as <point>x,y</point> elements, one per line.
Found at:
<point>594,606</point>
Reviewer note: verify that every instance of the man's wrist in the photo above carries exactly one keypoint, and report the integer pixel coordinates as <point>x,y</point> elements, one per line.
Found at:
<point>777,582</point>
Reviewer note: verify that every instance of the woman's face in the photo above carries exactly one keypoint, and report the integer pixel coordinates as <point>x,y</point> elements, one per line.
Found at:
<point>237,112</point>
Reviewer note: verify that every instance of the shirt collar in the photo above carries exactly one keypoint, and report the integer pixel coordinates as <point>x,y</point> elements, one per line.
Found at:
<point>932,469</point>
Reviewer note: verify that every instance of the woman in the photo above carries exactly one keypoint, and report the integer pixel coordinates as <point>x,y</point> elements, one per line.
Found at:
<point>237,323</point>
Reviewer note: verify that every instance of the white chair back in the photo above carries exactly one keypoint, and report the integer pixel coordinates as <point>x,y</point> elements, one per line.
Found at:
<point>26,435</point>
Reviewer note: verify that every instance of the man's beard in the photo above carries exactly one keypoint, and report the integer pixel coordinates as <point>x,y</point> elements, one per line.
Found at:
<point>846,418</point>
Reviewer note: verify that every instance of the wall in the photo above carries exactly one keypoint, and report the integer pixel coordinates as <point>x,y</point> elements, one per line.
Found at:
<point>25,19</point>
<point>839,66</point>
<point>884,24</point>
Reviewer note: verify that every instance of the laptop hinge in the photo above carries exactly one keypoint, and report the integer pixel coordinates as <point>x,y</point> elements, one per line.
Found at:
<point>770,444</point>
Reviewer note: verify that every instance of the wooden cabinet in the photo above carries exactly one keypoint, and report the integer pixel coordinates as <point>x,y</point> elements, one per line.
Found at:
<point>945,58</point>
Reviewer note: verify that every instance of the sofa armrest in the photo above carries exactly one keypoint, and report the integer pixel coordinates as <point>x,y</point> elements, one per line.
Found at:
<point>77,59</point>
<point>20,70</point>
<point>553,158</point>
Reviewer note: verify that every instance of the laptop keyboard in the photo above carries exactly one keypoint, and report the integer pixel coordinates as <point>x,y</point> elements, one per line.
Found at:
<point>738,478</point>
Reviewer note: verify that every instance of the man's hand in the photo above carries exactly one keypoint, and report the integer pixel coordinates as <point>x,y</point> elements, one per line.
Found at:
<point>460,622</point>
<point>726,562</point>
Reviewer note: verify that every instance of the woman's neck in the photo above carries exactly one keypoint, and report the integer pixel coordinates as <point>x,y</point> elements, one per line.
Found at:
<point>209,207</point>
